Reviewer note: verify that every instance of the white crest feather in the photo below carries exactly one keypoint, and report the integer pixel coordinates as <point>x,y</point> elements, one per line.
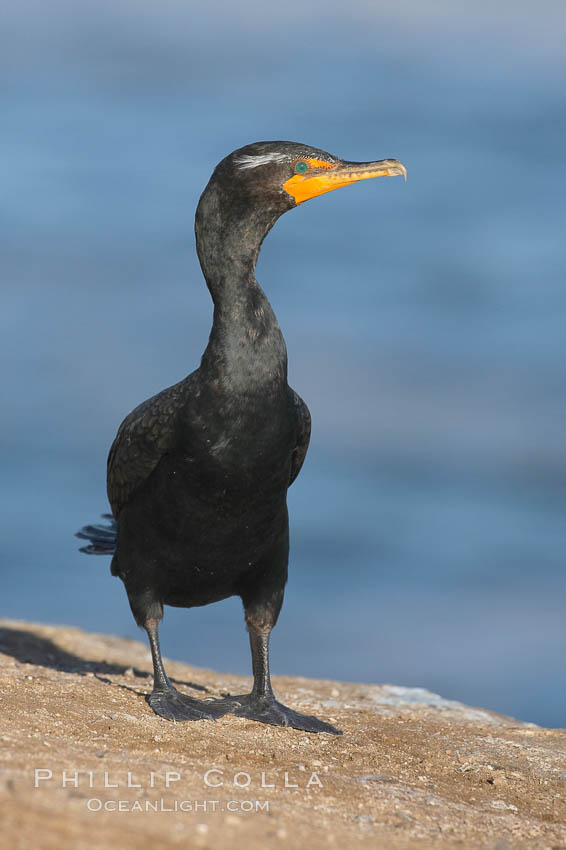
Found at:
<point>261,159</point>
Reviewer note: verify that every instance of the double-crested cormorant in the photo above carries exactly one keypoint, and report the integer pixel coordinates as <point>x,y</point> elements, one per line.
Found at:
<point>198,474</point>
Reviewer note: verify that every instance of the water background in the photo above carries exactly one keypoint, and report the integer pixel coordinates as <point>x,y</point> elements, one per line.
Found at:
<point>425,322</point>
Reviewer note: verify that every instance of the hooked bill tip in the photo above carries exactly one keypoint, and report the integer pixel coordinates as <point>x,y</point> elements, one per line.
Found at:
<point>398,169</point>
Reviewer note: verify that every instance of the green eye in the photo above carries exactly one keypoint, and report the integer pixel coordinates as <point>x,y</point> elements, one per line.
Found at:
<point>301,167</point>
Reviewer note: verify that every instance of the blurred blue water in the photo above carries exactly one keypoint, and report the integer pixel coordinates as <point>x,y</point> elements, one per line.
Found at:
<point>424,322</point>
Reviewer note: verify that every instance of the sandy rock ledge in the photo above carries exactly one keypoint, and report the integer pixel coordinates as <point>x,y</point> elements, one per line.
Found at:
<point>411,771</point>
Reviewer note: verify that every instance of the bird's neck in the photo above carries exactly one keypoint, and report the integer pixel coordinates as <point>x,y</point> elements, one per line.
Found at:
<point>246,345</point>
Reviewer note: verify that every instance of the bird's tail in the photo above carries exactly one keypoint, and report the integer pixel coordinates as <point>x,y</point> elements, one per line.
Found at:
<point>102,537</point>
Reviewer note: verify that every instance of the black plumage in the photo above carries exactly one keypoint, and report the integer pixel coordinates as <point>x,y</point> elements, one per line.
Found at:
<point>198,474</point>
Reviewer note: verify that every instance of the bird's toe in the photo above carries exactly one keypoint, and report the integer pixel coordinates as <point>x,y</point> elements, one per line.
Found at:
<point>178,707</point>
<point>274,713</point>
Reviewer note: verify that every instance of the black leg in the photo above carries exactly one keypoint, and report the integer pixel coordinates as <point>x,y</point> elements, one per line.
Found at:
<point>261,704</point>
<point>259,645</point>
<point>165,699</point>
<point>160,677</point>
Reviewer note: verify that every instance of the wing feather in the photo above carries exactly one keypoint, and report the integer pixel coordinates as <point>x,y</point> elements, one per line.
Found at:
<point>144,437</point>
<point>303,437</point>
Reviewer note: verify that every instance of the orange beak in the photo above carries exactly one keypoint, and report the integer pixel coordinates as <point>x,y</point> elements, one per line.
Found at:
<point>302,187</point>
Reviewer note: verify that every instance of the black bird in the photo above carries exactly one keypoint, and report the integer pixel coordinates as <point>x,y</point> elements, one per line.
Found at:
<point>198,474</point>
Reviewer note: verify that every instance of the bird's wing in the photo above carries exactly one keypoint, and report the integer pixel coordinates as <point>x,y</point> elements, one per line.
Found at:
<point>303,435</point>
<point>143,438</point>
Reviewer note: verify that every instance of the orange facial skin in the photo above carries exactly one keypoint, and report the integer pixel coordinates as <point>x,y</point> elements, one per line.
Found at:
<point>325,176</point>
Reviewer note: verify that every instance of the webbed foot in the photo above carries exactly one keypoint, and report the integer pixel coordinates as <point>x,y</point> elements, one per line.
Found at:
<point>268,710</point>
<point>173,705</point>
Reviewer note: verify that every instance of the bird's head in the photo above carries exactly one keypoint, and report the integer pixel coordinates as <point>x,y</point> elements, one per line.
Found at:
<point>256,184</point>
<point>285,174</point>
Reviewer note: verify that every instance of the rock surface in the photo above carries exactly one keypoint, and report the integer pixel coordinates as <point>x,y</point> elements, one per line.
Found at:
<point>411,771</point>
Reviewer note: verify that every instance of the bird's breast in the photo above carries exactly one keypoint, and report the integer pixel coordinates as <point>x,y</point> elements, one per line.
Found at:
<point>242,442</point>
